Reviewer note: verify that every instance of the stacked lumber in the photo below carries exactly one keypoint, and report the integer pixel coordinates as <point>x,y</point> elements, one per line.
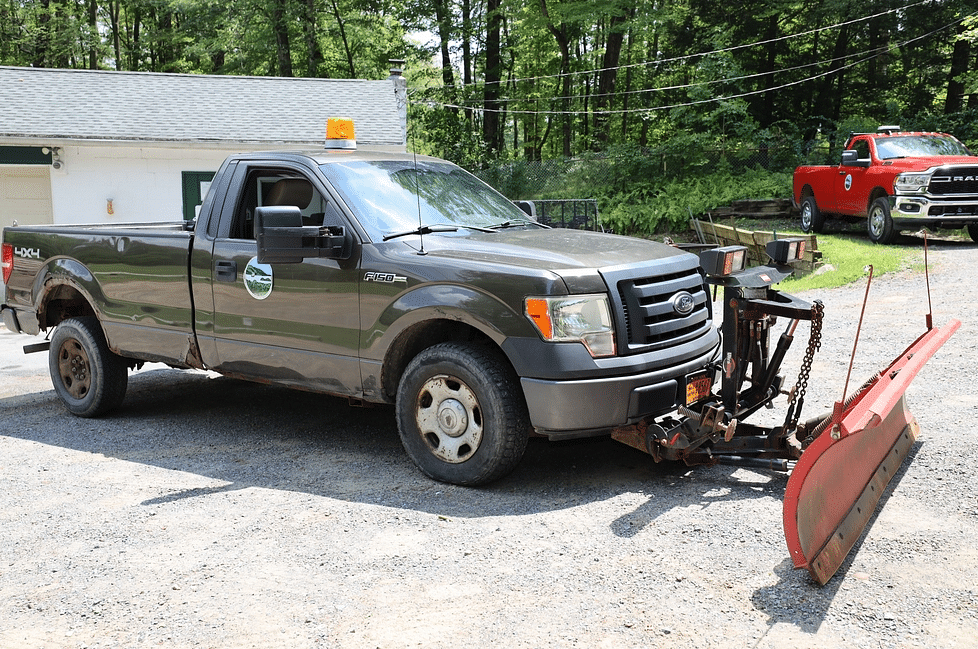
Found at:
<point>756,209</point>
<point>755,241</point>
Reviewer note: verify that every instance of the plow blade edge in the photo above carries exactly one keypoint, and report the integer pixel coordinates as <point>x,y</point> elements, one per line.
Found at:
<point>838,481</point>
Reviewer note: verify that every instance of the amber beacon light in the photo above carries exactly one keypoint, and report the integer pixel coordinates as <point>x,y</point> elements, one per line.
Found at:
<point>339,133</point>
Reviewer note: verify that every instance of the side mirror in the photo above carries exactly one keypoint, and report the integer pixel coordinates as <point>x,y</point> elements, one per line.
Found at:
<point>850,158</point>
<point>283,239</point>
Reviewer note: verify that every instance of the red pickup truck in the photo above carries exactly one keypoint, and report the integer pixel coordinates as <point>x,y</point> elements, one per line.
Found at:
<point>896,180</point>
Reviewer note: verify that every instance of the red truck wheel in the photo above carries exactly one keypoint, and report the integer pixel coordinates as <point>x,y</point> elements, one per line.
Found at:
<point>812,219</point>
<point>461,414</point>
<point>879,224</point>
<point>88,378</point>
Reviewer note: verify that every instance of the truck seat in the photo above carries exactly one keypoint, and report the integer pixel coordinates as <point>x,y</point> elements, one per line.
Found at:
<point>290,191</point>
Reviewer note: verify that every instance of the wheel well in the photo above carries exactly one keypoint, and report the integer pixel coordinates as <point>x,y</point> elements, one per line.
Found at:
<point>62,302</point>
<point>416,338</point>
<point>807,191</point>
<point>878,192</point>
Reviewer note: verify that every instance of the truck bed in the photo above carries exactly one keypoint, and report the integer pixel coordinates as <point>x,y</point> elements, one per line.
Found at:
<point>137,274</point>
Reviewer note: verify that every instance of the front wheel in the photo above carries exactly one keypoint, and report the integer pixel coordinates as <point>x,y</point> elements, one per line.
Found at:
<point>879,225</point>
<point>461,414</point>
<point>87,376</point>
<point>973,231</point>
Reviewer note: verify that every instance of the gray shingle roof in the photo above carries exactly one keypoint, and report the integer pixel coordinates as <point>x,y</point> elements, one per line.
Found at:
<point>151,107</point>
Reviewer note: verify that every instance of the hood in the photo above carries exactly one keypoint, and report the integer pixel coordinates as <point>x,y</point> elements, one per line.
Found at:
<point>923,163</point>
<point>554,249</point>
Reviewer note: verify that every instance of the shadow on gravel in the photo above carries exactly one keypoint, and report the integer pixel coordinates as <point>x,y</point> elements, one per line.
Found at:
<point>250,435</point>
<point>796,598</point>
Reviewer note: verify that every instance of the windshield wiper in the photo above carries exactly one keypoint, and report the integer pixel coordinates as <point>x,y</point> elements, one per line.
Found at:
<point>516,223</point>
<point>438,227</point>
<point>424,229</point>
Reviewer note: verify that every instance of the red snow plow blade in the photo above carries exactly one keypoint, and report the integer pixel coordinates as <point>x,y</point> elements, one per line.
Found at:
<point>838,481</point>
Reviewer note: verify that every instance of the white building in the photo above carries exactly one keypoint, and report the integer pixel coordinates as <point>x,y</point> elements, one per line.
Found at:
<point>80,146</point>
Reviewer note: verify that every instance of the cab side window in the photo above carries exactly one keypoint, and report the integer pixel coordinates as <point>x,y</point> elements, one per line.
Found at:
<point>267,187</point>
<point>862,148</point>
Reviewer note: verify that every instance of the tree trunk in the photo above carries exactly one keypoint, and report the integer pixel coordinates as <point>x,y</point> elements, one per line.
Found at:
<point>443,18</point>
<point>283,47</point>
<point>608,76</point>
<point>959,68</point>
<point>491,131</point>
<point>93,35</point>
<point>563,42</point>
<point>351,70</point>
<point>314,53</point>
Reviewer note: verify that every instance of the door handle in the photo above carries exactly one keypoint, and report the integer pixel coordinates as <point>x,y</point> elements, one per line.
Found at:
<point>226,270</point>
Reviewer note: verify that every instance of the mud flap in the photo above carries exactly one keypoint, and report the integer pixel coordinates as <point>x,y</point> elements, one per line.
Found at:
<point>838,481</point>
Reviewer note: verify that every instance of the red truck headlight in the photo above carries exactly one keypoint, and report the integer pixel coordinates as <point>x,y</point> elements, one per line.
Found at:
<point>910,183</point>
<point>574,318</point>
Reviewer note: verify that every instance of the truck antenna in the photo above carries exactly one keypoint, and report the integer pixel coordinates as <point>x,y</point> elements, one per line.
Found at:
<point>417,181</point>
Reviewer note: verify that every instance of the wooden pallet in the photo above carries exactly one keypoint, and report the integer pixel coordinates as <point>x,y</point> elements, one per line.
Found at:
<point>755,241</point>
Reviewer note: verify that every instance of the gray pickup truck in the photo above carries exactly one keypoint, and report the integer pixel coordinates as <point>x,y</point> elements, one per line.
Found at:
<point>384,278</point>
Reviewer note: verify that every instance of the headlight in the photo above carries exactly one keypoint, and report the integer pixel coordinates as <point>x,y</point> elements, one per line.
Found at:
<point>911,183</point>
<point>574,318</point>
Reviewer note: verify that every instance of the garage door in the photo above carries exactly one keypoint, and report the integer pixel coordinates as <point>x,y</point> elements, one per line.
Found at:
<point>25,196</point>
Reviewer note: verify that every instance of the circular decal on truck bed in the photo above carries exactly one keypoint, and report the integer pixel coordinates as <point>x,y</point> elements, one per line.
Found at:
<point>258,279</point>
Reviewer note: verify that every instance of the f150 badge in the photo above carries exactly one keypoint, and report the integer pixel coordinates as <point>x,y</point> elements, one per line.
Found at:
<point>258,279</point>
<point>383,278</point>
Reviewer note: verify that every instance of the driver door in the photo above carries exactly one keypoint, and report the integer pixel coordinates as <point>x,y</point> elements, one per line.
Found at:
<point>291,323</point>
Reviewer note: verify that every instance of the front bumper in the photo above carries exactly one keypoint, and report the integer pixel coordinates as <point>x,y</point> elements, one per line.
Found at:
<point>923,210</point>
<point>585,407</point>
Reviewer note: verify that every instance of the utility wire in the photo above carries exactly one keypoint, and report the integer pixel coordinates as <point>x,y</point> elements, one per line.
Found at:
<point>685,57</point>
<point>877,53</point>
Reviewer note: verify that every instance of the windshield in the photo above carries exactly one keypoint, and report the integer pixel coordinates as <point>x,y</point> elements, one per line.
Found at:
<point>397,196</point>
<point>918,146</point>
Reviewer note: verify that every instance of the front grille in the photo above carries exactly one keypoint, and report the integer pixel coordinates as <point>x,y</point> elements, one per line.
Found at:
<point>954,181</point>
<point>650,317</point>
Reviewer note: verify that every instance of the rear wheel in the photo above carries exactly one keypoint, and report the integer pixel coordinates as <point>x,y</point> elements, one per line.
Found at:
<point>812,219</point>
<point>879,225</point>
<point>461,414</point>
<point>87,377</point>
<point>973,231</point>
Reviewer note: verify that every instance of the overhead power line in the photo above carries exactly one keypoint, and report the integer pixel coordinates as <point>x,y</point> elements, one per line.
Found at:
<point>871,54</point>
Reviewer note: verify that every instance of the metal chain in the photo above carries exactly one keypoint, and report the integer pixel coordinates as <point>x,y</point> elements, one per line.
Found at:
<point>814,344</point>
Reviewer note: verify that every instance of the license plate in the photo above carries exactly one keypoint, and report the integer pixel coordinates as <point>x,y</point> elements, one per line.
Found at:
<point>698,387</point>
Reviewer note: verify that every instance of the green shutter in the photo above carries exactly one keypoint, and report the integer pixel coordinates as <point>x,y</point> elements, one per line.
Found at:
<point>25,155</point>
<point>195,185</point>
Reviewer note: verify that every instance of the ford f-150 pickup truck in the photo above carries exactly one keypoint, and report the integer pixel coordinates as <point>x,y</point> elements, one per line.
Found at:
<point>390,278</point>
<point>383,278</point>
<point>896,181</point>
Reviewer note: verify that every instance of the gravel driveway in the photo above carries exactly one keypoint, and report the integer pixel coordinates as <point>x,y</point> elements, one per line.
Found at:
<point>215,513</point>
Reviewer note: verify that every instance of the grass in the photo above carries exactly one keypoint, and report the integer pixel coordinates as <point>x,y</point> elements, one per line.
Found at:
<point>845,260</point>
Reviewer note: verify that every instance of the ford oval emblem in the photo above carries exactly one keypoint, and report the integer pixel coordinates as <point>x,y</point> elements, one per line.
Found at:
<point>683,303</point>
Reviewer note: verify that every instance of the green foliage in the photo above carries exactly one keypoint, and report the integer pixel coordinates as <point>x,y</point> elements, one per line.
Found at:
<point>669,208</point>
<point>845,261</point>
